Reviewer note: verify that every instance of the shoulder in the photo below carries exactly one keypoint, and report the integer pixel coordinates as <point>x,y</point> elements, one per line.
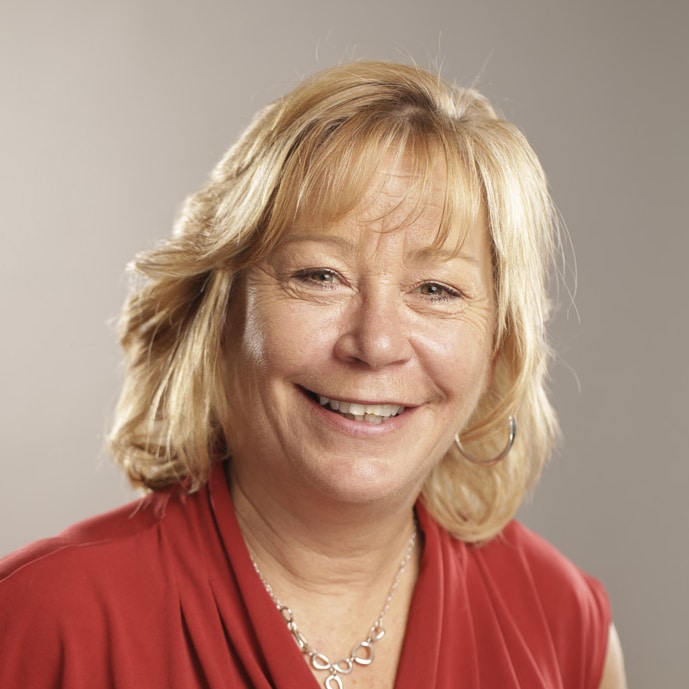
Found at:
<point>49,581</point>
<point>96,558</point>
<point>552,598</point>
<point>108,550</point>
<point>518,563</point>
<point>68,596</point>
<point>557,580</point>
<point>123,552</point>
<point>80,541</point>
<point>526,601</point>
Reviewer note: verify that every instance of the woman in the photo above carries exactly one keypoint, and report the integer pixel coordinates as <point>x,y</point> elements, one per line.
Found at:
<point>327,365</point>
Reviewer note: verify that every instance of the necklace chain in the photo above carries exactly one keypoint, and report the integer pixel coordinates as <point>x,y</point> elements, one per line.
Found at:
<point>362,653</point>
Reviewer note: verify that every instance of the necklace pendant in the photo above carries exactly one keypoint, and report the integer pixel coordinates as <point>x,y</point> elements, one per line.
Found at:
<point>344,666</point>
<point>320,661</point>
<point>363,653</point>
<point>333,682</point>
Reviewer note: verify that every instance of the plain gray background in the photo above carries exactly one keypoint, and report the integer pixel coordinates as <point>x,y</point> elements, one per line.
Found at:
<point>112,112</point>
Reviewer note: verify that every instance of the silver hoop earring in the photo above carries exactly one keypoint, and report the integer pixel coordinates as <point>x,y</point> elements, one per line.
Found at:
<point>494,460</point>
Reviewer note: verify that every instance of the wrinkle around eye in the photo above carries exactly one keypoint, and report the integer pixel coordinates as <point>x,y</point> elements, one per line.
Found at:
<point>319,285</point>
<point>464,306</point>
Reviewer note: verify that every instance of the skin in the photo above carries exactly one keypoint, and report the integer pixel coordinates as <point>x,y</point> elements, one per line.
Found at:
<point>614,676</point>
<point>364,311</point>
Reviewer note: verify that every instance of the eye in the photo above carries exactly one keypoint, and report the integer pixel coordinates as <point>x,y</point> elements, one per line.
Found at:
<point>322,277</point>
<point>437,291</point>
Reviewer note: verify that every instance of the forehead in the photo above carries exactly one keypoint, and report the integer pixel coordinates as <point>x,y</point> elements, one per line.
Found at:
<point>402,196</point>
<point>399,191</point>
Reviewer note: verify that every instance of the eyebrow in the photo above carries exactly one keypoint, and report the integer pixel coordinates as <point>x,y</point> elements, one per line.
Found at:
<point>321,238</point>
<point>426,254</point>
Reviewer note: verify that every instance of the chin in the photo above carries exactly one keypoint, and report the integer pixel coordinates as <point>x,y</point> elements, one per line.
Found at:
<point>364,482</point>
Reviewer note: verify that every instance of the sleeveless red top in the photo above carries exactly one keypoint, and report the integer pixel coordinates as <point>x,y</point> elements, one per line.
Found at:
<point>162,594</point>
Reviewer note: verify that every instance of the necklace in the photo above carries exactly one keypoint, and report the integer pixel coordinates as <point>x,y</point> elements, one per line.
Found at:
<point>363,653</point>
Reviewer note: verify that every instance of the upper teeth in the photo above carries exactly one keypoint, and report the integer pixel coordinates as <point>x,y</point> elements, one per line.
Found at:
<point>362,412</point>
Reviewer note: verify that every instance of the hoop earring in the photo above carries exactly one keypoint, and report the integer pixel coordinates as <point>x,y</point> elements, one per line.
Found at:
<point>493,460</point>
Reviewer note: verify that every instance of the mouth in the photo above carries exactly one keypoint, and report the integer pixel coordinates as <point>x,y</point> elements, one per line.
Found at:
<point>355,411</point>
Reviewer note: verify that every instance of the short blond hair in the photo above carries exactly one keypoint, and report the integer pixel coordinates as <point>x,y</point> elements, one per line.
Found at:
<point>315,151</point>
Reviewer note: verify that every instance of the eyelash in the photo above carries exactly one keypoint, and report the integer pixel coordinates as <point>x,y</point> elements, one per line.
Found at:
<point>325,278</point>
<point>449,293</point>
<point>315,275</point>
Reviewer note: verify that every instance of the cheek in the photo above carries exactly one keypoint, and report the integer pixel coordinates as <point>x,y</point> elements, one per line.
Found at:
<point>248,350</point>
<point>458,358</point>
<point>281,337</point>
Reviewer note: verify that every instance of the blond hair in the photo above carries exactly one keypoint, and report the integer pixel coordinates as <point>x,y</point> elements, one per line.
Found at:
<point>315,151</point>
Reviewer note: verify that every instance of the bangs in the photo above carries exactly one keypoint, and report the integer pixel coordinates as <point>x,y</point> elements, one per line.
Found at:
<point>337,170</point>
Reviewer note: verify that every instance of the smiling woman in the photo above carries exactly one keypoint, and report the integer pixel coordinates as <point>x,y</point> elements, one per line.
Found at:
<point>364,312</point>
<point>325,363</point>
<point>308,162</point>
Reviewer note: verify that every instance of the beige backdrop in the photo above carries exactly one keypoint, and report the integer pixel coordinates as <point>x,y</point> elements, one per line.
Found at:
<point>113,111</point>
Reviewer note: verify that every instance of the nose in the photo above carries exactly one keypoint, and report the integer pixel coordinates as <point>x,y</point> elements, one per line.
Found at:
<point>375,331</point>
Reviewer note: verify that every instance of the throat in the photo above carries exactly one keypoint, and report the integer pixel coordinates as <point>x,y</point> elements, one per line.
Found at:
<point>332,670</point>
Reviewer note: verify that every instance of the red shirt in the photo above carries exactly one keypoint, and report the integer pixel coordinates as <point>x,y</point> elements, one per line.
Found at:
<point>162,594</point>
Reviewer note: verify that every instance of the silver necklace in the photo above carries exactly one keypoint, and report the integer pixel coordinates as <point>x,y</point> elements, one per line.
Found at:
<point>363,653</point>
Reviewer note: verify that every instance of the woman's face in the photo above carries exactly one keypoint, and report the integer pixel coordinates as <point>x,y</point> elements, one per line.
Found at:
<point>360,349</point>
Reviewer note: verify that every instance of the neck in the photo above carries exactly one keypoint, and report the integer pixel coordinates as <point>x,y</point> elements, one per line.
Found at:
<point>338,570</point>
<point>321,547</point>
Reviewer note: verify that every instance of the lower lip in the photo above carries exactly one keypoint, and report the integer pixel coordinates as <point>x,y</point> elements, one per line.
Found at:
<point>361,428</point>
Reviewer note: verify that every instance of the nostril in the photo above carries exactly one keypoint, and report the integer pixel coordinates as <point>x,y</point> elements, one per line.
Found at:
<point>375,346</point>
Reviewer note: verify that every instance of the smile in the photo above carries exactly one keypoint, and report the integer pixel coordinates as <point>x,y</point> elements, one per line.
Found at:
<point>369,413</point>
